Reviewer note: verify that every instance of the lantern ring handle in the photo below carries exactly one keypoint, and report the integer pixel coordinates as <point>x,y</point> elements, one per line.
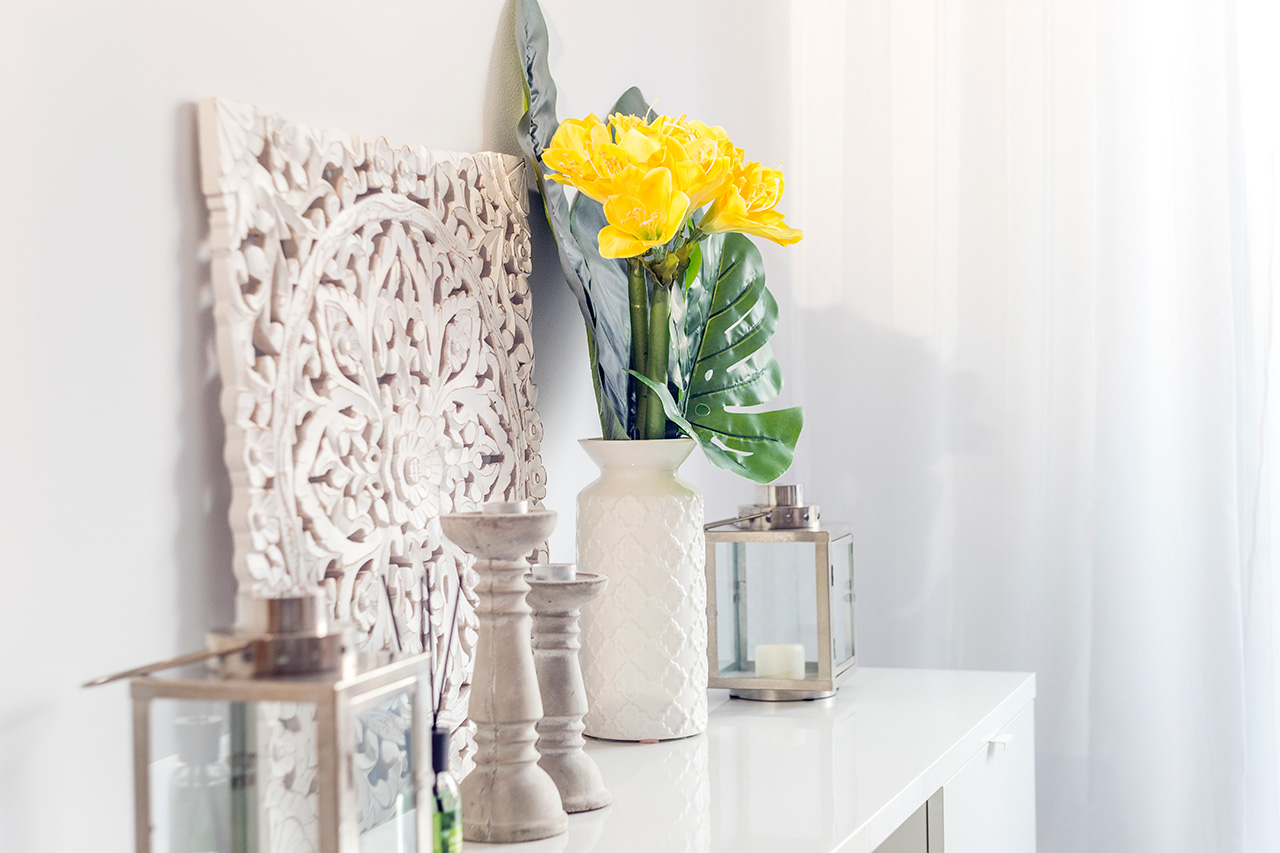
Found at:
<point>180,660</point>
<point>725,522</point>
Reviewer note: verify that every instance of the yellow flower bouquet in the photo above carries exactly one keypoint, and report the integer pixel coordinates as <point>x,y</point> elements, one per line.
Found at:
<point>655,246</point>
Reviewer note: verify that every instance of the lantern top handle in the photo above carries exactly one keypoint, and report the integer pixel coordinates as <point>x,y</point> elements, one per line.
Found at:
<point>777,507</point>
<point>277,636</point>
<point>170,663</point>
<point>736,520</point>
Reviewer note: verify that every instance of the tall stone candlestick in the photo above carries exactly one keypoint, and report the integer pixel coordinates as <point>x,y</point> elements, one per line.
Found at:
<point>507,797</point>
<point>556,643</point>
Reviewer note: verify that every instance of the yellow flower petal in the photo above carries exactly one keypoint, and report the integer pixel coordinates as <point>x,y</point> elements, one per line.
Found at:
<point>598,190</point>
<point>769,225</point>
<point>610,160</point>
<point>572,132</point>
<point>665,206</point>
<point>622,123</point>
<point>715,133</point>
<point>726,210</point>
<point>638,145</point>
<point>616,243</point>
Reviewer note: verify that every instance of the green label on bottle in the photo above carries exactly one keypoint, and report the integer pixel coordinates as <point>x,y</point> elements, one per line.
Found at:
<point>446,831</point>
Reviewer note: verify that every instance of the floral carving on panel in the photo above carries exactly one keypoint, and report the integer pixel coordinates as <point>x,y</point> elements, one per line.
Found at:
<point>373,334</point>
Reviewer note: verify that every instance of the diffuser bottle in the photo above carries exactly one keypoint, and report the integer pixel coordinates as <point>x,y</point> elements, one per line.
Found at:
<point>446,804</point>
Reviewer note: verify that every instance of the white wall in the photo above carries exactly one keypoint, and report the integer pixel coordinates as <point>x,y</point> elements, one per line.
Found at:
<point>113,537</point>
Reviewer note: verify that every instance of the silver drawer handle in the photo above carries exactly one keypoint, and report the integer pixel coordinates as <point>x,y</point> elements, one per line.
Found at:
<point>1002,740</point>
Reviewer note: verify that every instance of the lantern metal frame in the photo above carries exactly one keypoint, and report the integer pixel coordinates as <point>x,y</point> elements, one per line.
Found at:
<point>830,674</point>
<point>330,693</point>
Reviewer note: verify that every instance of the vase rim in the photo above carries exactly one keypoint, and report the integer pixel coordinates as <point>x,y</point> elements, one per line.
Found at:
<point>638,453</point>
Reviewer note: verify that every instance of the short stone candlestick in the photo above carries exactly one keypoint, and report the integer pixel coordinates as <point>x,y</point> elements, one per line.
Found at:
<point>507,797</point>
<point>556,643</point>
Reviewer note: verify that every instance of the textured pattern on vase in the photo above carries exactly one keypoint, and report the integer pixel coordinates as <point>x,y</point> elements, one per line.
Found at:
<point>644,640</point>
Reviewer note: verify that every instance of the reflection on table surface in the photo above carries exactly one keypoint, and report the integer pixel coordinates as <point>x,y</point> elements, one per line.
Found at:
<point>767,762</point>
<point>805,777</point>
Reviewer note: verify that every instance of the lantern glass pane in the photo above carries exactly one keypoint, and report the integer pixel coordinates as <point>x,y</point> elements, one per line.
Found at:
<point>841,553</point>
<point>232,777</point>
<point>383,771</point>
<point>766,610</point>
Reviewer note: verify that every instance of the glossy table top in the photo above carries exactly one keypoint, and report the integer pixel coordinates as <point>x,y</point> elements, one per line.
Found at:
<point>836,774</point>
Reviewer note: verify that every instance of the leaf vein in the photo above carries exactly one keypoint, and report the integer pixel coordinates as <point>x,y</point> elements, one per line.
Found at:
<point>751,330</point>
<point>742,294</point>
<point>743,436</point>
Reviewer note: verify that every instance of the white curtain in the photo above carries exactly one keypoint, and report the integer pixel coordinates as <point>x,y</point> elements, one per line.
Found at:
<point>1033,329</point>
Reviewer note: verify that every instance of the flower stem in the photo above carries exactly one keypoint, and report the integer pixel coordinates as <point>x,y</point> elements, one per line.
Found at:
<point>637,294</point>
<point>659,345</point>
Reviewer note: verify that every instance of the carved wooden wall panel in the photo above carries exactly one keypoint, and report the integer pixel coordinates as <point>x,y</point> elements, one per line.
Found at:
<point>373,334</point>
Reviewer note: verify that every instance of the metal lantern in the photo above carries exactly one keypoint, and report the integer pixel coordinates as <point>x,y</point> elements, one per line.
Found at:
<point>285,743</point>
<point>780,600</point>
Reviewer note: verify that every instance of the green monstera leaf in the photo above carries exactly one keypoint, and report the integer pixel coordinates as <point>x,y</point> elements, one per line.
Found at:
<point>735,368</point>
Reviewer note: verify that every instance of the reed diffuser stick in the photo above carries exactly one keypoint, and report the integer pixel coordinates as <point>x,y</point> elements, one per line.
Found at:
<point>448,649</point>
<point>391,608</point>
<point>427,632</point>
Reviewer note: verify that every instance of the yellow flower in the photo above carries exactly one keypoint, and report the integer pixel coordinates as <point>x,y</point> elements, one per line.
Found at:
<point>642,214</point>
<point>747,205</point>
<point>586,155</point>
<point>651,175</point>
<point>703,173</point>
<point>698,167</point>
<point>570,150</point>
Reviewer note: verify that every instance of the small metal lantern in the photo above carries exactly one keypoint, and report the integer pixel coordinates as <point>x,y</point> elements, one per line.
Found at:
<point>780,600</point>
<point>284,743</point>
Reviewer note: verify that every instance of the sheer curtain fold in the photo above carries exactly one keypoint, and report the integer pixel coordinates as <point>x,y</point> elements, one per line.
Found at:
<point>1043,382</point>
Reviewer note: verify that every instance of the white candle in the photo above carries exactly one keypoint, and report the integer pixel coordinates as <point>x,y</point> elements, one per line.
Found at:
<point>780,660</point>
<point>555,571</point>
<point>504,507</point>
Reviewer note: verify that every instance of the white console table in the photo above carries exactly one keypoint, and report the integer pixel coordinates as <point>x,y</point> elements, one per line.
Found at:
<point>849,774</point>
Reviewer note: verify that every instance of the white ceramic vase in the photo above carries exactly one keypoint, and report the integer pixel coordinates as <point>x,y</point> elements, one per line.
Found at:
<point>644,640</point>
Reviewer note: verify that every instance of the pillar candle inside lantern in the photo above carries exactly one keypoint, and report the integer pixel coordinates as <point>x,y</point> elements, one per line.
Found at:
<point>780,660</point>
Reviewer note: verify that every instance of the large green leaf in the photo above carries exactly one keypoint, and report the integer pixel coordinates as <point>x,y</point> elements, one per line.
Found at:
<point>735,368</point>
<point>603,305</point>
<point>609,296</point>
